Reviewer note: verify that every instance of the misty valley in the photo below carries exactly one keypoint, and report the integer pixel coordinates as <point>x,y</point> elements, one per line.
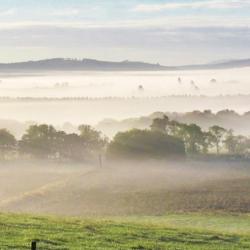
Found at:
<point>166,162</point>
<point>124,125</point>
<point>145,148</point>
<point>147,83</point>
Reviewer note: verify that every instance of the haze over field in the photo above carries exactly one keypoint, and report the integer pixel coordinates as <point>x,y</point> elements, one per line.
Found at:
<point>146,188</point>
<point>137,111</point>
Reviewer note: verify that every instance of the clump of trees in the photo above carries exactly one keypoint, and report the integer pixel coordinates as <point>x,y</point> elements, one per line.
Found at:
<point>167,138</point>
<point>138,144</point>
<point>197,141</point>
<point>45,142</point>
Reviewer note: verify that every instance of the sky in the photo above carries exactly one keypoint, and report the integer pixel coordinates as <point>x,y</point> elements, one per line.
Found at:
<point>158,31</point>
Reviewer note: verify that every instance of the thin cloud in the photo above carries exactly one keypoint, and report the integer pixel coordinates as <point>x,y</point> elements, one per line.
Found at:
<point>8,12</point>
<point>66,12</point>
<point>170,22</point>
<point>206,4</point>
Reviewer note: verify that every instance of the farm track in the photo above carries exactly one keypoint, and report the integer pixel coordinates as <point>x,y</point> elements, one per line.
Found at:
<point>43,190</point>
<point>130,190</point>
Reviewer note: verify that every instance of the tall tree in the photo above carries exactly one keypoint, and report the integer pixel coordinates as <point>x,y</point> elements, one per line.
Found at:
<point>71,146</point>
<point>193,138</point>
<point>206,142</point>
<point>92,138</point>
<point>7,142</point>
<point>160,124</point>
<point>218,134</point>
<point>40,141</point>
<point>230,142</point>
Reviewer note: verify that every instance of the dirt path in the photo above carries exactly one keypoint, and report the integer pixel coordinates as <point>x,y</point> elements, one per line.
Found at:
<point>43,190</point>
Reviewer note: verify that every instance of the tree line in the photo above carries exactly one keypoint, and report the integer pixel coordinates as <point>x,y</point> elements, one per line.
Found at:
<point>45,142</point>
<point>215,139</point>
<point>165,139</point>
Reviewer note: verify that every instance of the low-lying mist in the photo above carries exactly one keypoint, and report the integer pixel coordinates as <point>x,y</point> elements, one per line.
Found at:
<point>125,84</point>
<point>125,188</point>
<point>89,97</point>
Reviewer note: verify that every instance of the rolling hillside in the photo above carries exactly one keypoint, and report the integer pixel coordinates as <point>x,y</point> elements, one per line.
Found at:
<point>63,64</point>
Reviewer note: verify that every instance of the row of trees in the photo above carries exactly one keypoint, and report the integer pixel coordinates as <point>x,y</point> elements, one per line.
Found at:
<point>166,138</point>
<point>44,141</point>
<point>197,141</point>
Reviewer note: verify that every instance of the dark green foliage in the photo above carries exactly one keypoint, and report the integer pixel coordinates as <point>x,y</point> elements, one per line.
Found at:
<point>160,124</point>
<point>92,138</point>
<point>40,141</point>
<point>44,141</point>
<point>7,139</point>
<point>71,146</point>
<point>165,139</point>
<point>195,140</point>
<point>236,144</point>
<point>145,144</point>
<point>7,142</point>
<point>198,141</point>
<point>218,134</point>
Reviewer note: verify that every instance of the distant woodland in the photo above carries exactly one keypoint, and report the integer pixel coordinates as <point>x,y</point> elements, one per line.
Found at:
<point>165,138</point>
<point>228,119</point>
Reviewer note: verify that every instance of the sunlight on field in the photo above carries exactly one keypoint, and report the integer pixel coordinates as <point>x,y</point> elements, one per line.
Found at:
<point>131,189</point>
<point>207,232</point>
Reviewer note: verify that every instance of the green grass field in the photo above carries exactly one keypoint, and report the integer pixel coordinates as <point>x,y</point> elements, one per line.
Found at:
<point>173,232</point>
<point>199,207</point>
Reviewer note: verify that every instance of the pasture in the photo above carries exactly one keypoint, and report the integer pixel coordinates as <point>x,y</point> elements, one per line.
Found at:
<point>174,231</point>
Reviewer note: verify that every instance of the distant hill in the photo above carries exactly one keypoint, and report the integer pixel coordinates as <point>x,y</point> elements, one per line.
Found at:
<point>218,65</point>
<point>58,64</point>
<point>85,64</point>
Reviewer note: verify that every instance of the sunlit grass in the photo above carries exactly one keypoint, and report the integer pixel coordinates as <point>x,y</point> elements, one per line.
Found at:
<point>174,231</point>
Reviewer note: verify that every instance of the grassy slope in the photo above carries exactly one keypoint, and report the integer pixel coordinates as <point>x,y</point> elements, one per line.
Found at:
<point>183,231</point>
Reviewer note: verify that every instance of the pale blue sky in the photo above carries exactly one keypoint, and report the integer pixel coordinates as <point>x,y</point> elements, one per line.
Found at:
<point>165,31</point>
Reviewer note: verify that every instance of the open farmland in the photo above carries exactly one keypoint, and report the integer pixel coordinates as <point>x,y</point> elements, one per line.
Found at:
<point>133,189</point>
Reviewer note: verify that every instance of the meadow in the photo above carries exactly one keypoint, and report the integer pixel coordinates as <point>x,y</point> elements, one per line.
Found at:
<point>174,231</point>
